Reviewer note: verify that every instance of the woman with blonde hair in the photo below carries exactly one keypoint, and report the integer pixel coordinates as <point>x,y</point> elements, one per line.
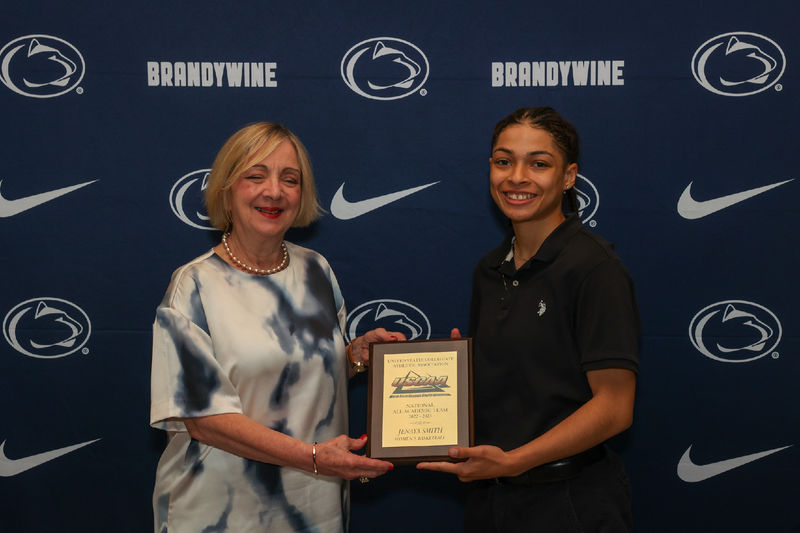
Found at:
<point>250,368</point>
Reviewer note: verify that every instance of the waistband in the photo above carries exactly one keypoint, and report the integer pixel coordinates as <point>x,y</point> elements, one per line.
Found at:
<point>560,470</point>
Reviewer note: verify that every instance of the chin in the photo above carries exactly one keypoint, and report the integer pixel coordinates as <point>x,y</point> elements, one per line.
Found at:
<point>517,216</point>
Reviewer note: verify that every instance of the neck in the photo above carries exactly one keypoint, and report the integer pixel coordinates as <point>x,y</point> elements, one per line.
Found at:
<point>531,234</point>
<point>255,250</point>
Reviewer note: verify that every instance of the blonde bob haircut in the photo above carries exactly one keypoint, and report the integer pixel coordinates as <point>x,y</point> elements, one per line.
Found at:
<point>244,149</point>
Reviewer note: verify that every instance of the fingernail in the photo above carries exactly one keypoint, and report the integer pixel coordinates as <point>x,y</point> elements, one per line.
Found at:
<point>391,467</point>
<point>394,338</point>
<point>364,436</point>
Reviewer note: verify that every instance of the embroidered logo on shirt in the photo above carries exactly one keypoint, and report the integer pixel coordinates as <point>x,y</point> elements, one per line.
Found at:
<point>542,308</point>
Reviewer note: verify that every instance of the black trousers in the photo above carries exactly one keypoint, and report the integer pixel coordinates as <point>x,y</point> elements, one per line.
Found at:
<point>598,500</point>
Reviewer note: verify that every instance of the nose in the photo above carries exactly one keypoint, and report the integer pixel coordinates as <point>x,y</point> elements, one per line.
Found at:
<point>271,188</point>
<point>518,174</point>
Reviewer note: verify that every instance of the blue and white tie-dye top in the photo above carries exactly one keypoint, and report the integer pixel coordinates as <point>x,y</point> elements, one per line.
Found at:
<point>270,347</point>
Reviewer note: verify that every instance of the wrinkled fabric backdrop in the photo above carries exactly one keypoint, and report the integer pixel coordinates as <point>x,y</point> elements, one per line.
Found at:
<point>112,114</point>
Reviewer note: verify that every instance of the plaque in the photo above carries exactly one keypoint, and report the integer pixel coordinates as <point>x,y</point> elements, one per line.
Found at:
<point>420,399</point>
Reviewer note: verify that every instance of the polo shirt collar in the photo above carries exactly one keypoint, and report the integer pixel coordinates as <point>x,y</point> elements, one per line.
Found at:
<point>548,251</point>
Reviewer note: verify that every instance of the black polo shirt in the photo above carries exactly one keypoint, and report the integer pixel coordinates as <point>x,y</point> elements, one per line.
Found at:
<point>537,330</point>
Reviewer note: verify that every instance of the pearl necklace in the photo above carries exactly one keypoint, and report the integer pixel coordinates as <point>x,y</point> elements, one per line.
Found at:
<point>250,269</point>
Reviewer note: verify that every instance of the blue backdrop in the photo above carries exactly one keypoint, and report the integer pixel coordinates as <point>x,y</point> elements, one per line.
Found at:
<point>112,113</point>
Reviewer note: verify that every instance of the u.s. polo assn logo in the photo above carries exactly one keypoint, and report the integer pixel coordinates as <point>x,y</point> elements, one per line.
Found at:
<point>41,66</point>
<point>385,68</point>
<point>47,328</point>
<point>735,331</point>
<point>186,199</point>
<point>738,64</point>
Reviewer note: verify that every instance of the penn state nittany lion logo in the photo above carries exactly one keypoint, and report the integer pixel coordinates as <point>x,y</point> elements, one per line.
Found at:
<point>588,199</point>
<point>735,331</point>
<point>41,66</point>
<point>393,315</point>
<point>187,202</point>
<point>384,68</point>
<point>46,328</point>
<point>738,64</point>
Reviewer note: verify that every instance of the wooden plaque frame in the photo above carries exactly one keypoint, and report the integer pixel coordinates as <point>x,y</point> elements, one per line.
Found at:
<point>424,391</point>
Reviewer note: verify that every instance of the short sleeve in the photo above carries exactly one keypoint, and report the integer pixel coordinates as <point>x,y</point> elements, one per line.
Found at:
<point>608,325</point>
<point>187,380</point>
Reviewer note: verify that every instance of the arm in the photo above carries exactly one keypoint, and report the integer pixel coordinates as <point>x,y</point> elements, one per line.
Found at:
<point>238,434</point>
<point>243,436</point>
<point>607,413</point>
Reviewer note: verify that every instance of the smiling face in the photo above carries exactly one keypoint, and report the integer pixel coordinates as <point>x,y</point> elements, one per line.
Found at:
<point>265,199</point>
<point>528,175</point>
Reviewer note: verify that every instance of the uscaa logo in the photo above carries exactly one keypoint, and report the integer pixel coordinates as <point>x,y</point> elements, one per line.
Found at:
<point>393,315</point>
<point>41,66</point>
<point>47,328</point>
<point>738,64</point>
<point>385,68</point>
<point>588,200</point>
<point>187,202</point>
<point>735,331</point>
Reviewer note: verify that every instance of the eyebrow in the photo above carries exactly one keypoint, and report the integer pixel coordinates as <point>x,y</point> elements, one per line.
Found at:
<point>535,152</point>
<point>259,166</point>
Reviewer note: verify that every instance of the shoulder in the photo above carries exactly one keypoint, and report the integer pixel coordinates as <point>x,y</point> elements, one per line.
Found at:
<point>586,251</point>
<point>306,255</point>
<point>312,265</point>
<point>315,274</point>
<point>309,261</point>
<point>591,244</point>
<point>589,260</point>
<point>185,278</point>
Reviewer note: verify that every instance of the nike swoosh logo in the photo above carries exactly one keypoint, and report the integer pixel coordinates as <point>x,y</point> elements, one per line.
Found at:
<point>691,209</point>
<point>9,208</point>
<point>692,473</point>
<point>12,467</point>
<point>344,210</point>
